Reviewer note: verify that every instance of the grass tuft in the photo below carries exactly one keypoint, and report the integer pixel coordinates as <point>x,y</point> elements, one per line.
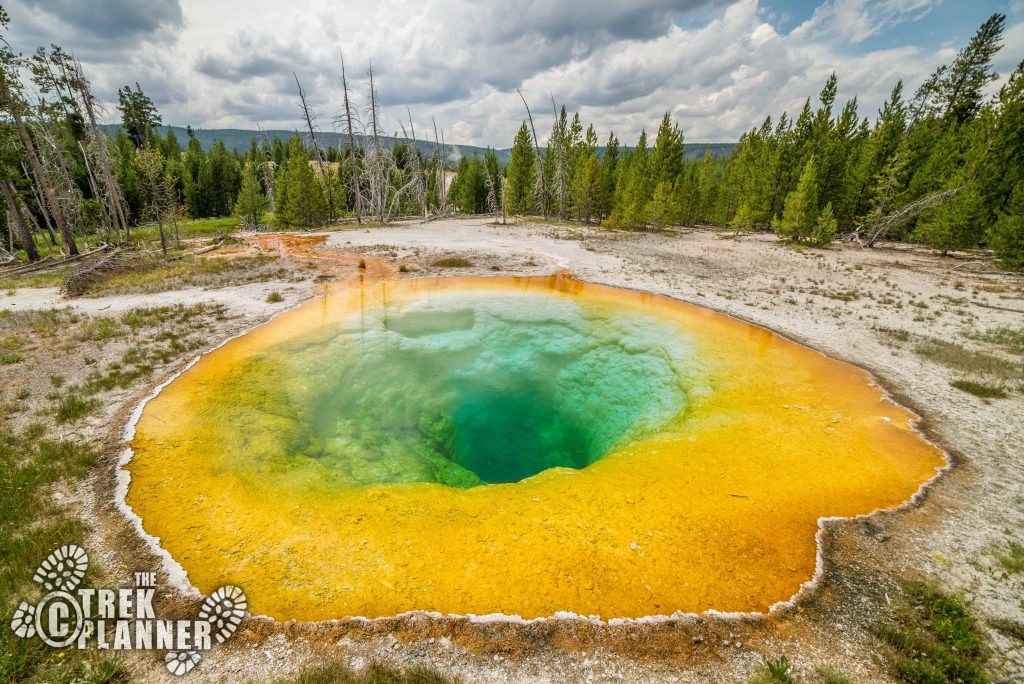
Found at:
<point>1004,336</point>
<point>893,337</point>
<point>73,407</point>
<point>830,675</point>
<point>1013,559</point>
<point>453,262</point>
<point>274,297</point>
<point>965,360</point>
<point>934,638</point>
<point>773,672</point>
<point>1010,628</point>
<point>335,672</point>
<point>980,389</point>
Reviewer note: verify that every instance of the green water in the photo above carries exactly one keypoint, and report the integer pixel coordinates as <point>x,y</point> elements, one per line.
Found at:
<point>463,389</point>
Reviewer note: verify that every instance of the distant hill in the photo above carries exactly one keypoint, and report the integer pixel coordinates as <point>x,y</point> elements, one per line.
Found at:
<point>238,139</point>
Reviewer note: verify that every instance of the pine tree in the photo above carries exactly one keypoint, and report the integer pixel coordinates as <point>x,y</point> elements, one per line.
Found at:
<point>220,178</point>
<point>961,88</point>
<point>300,197</point>
<point>251,203</point>
<point>743,219</point>
<point>609,165</point>
<point>958,223</point>
<point>588,188</point>
<point>520,173</point>
<point>662,209</point>
<point>667,153</point>
<point>138,114</point>
<point>825,228</point>
<point>635,184</point>
<point>998,146</point>
<point>801,207</point>
<point>192,162</point>
<point>1006,237</point>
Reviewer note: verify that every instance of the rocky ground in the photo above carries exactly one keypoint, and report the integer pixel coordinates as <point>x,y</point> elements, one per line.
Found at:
<point>917,321</point>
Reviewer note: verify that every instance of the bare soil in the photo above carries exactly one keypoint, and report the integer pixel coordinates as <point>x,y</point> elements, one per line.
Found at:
<point>871,308</point>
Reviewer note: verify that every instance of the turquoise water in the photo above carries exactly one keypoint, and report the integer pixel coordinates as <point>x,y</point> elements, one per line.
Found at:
<point>465,389</point>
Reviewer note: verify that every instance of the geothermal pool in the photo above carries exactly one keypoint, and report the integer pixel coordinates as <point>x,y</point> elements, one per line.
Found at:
<point>524,446</point>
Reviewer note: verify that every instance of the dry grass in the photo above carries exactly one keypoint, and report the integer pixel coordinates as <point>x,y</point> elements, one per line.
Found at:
<point>957,357</point>
<point>452,262</point>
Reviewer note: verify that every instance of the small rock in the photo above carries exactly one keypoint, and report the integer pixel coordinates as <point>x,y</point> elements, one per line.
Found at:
<point>739,645</point>
<point>698,639</point>
<point>725,642</point>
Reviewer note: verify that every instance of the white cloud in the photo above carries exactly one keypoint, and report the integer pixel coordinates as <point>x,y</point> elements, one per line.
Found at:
<point>622,65</point>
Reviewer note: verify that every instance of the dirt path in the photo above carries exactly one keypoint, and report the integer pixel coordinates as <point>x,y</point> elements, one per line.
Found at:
<point>869,307</point>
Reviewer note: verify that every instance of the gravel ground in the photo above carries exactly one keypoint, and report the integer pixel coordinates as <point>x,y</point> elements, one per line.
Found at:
<point>867,307</point>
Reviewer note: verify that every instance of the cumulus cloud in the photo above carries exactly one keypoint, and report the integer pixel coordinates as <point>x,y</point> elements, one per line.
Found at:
<point>719,66</point>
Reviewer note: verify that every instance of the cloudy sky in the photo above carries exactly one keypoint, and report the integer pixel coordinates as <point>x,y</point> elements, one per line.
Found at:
<point>718,65</point>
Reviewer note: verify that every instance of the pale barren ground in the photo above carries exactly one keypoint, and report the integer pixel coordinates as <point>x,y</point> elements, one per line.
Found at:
<point>873,308</point>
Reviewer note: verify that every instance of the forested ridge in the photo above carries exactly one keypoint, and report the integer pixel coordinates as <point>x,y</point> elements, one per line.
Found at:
<point>943,167</point>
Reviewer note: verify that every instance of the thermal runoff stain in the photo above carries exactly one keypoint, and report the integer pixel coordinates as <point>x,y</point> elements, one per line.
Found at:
<point>512,445</point>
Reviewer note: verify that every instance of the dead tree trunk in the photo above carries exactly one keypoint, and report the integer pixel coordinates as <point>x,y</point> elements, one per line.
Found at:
<point>37,171</point>
<point>380,180</point>
<point>351,144</point>
<point>540,163</point>
<point>444,175</point>
<point>417,169</point>
<point>308,115</point>
<point>267,176</point>
<point>19,221</point>
<point>114,210</point>
<point>556,146</point>
<point>438,169</point>
<point>884,224</point>
<point>61,179</point>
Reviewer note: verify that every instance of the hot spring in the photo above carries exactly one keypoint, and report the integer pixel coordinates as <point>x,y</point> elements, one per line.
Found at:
<point>523,446</point>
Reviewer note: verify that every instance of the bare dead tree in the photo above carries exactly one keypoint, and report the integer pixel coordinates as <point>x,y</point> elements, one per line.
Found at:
<point>24,234</point>
<point>557,149</point>
<point>307,113</point>
<point>149,165</point>
<point>444,174</point>
<point>55,167</point>
<point>112,191</point>
<point>419,183</point>
<point>438,169</point>
<point>10,104</point>
<point>385,183</point>
<point>878,228</point>
<point>37,195</point>
<point>374,162</point>
<point>538,161</point>
<point>504,201</point>
<point>268,176</point>
<point>492,195</point>
<point>346,120</point>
